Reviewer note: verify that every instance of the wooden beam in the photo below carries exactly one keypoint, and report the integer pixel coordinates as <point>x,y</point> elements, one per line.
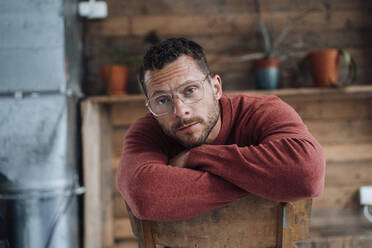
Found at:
<point>122,229</point>
<point>226,23</point>
<point>98,216</point>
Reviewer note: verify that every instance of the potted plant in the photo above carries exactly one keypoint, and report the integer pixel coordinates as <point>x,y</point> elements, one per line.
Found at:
<point>266,68</point>
<point>151,38</point>
<point>115,74</point>
<point>325,64</point>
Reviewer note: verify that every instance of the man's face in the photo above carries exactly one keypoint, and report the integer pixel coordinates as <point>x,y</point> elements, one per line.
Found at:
<point>190,124</point>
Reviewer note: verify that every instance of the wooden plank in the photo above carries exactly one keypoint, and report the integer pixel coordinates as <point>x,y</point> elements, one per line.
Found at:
<point>115,162</point>
<point>226,23</point>
<point>142,230</point>
<point>193,24</point>
<point>341,131</point>
<point>345,219</point>
<point>338,197</point>
<point>324,109</point>
<point>348,152</point>
<point>117,138</point>
<point>117,26</point>
<point>120,210</point>
<point>349,174</point>
<point>247,42</point>
<point>207,229</point>
<point>97,179</point>
<point>332,241</point>
<point>163,7</point>
<point>127,244</point>
<point>347,5</point>
<point>123,229</point>
<point>125,114</point>
<point>93,225</point>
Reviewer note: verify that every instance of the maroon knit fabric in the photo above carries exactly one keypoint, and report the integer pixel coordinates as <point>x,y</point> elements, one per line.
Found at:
<point>263,148</point>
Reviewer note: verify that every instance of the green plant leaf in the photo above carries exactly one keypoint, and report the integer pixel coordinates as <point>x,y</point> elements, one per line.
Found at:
<point>351,67</point>
<point>346,56</point>
<point>289,26</point>
<point>266,36</point>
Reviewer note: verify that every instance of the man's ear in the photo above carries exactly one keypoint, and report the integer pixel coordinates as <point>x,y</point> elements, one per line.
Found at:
<point>217,86</point>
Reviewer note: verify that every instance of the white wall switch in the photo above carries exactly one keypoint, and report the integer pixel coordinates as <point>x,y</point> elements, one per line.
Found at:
<point>365,194</point>
<point>93,9</point>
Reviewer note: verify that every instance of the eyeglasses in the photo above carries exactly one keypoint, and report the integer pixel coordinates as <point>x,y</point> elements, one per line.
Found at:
<point>162,104</point>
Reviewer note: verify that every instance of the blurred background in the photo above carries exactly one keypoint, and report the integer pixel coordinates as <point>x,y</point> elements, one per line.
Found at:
<point>62,125</point>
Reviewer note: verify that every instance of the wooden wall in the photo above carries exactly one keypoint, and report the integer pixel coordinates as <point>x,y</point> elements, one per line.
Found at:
<point>227,31</point>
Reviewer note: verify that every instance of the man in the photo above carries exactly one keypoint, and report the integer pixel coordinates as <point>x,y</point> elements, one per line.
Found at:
<point>200,149</point>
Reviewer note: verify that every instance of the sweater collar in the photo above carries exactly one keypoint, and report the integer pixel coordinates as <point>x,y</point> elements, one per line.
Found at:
<point>226,115</point>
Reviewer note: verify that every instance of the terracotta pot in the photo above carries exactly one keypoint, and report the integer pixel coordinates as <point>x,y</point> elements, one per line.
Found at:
<point>115,79</point>
<point>266,73</point>
<point>325,66</point>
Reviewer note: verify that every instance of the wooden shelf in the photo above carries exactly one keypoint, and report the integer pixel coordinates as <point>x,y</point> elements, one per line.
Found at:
<point>359,91</point>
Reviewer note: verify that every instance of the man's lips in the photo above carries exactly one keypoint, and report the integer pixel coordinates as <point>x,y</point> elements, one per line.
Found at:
<point>187,127</point>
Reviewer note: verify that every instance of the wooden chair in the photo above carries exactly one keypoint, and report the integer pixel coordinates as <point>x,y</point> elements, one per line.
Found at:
<point>251,222</point>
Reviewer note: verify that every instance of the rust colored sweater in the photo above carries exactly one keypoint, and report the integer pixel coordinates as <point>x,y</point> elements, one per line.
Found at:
<point>263,148</point>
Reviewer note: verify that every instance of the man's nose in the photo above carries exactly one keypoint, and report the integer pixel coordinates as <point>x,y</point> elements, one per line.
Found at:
<point>180,108</point>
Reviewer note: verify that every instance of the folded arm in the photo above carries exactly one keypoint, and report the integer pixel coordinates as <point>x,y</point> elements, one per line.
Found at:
<point>286,164</point>
<point>157,191</point>
<point>288,169</point>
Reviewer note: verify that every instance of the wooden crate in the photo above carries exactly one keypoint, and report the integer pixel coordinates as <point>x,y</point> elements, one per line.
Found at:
<point>341,119</point>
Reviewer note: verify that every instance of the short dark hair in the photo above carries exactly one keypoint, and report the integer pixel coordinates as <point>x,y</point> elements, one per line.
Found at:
<point>168,51</point>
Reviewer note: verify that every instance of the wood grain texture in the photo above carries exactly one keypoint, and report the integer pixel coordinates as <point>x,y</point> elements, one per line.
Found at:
<point>347,131</point>
<point>120,210</point>
<point>349,173</point>
<point>112,26</point>
<point>337,241</point>
<point>98,207</point>
<point>348,152</point>
<point>350,219</point>
<point>252,222</point>
<point>131,243</point>
<point>228,27</point>
<point>163,7</point>
<point>122,229</point>
<point>117,138</point>
<point>338,197</point>
<point>226,23</point>
<point>90,131</point>
<point>125,114</point>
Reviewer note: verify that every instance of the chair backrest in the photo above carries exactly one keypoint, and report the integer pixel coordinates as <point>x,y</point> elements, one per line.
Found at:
<point>247,223</point>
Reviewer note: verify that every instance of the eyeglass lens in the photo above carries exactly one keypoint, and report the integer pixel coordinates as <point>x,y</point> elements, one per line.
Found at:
<point>188,94</point>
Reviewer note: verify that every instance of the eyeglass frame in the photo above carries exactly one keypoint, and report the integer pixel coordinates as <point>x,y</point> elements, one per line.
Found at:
<point>171,92</point>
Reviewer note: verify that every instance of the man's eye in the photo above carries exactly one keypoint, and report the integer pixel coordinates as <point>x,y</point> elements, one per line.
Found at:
<point>162,100</point>
<point>190,90</point>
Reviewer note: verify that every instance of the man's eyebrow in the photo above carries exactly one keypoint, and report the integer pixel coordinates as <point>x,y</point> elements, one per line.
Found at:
<point>169,91</point>
<point>159,92</point>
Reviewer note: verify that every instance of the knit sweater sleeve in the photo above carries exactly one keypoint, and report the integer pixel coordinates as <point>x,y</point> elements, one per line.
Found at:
<point>286,163</point>
<point>155,190</point>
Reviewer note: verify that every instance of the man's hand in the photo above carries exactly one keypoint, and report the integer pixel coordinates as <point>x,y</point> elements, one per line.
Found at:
<point>180,159</point>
